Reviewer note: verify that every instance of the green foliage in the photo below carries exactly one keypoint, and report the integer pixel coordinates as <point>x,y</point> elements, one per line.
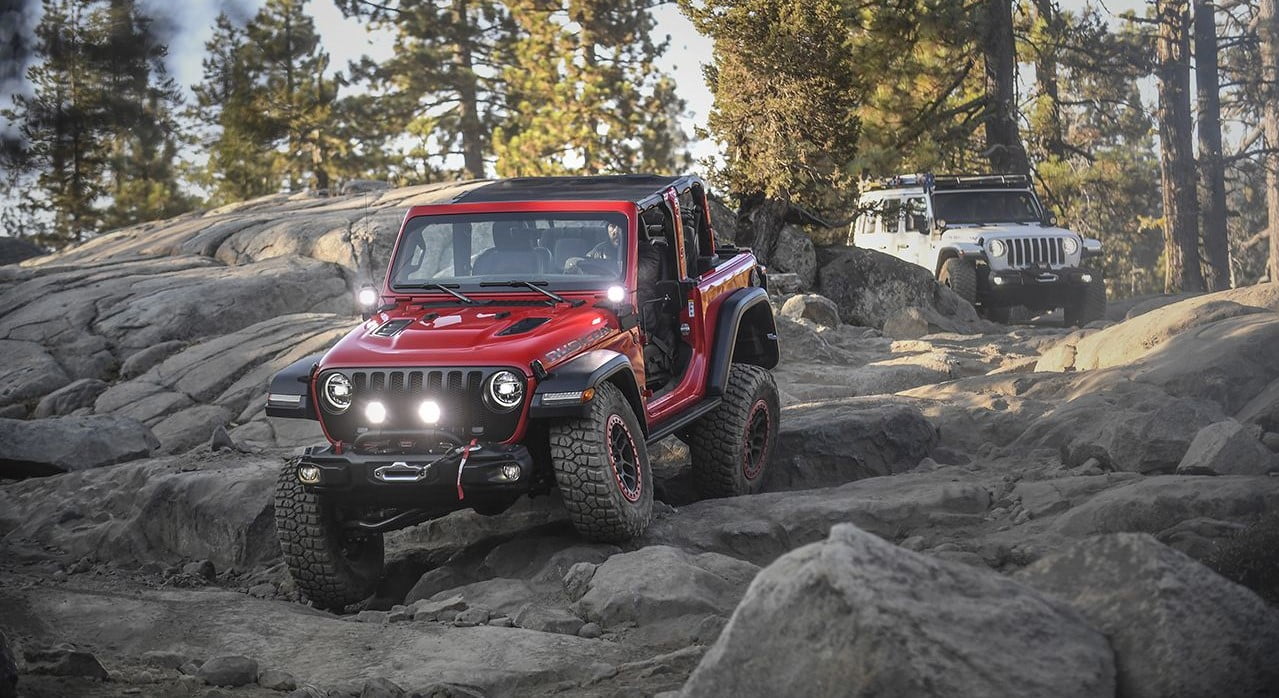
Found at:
<point>98,144</point>
<point>584,93</point>
<point>525,87</point>
<point>787,89</point>
<point>278,113</point>
<point>1092,140</point>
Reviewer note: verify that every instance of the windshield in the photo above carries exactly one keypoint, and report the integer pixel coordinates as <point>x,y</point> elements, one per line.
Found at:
<point>564,250</point>
<point>985,207</point>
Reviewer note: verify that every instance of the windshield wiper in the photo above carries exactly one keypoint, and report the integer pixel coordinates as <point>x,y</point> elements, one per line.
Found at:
<point>531,285</point>
<point>447,288</point>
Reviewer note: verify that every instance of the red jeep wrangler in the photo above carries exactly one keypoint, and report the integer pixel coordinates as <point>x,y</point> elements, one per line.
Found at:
<point>530,334</point>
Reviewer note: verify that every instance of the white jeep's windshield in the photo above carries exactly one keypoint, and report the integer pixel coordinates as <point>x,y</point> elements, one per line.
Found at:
<point>1007,206</point>
<point>574,251</point>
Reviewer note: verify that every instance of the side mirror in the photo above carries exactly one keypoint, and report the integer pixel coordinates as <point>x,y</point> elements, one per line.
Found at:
<point>920,224</point>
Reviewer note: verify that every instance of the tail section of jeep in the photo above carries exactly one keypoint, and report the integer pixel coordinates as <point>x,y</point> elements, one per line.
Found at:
<point>988,238</point>
<point>531,335</point>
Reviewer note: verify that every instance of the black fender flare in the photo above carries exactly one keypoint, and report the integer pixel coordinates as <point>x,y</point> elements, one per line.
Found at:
<point>587,370</point>
<point>746,306</point>
<point>290,393</point>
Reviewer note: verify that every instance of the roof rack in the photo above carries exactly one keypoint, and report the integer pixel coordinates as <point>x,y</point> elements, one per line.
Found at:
<point>931,181</point>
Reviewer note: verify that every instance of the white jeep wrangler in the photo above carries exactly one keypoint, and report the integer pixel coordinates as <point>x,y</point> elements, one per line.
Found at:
<point>986,237</point>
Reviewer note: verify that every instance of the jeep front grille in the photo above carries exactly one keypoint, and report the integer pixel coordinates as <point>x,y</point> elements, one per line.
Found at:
<point>1038,252</point>
<point>459,391</point>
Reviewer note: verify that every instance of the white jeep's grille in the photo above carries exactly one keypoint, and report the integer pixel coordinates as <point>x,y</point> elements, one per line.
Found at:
<point>1042,252</point>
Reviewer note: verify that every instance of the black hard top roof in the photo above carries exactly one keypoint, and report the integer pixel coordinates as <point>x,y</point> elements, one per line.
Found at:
<point>635,188</point>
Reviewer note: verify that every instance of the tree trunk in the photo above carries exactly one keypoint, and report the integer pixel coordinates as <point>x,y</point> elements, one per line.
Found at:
<point>1268,33</point>
<point>1176,158</point>
<point>759,224</point>
<point>472,131</point>
<point>1212,177</point>
<point>1003,144</point>
<point>1046,76</point>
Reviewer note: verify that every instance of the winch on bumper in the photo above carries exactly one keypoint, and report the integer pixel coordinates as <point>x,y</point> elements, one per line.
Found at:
<point>465,475</point>
<point>1035,286</point>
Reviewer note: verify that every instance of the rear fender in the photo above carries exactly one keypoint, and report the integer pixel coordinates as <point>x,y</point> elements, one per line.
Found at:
<point>745,332</point>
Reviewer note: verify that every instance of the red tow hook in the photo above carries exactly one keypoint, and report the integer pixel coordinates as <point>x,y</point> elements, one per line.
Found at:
<point>466,452</point>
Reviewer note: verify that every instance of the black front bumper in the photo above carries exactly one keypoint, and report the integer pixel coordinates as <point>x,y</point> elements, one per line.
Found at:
<point>1036,287</point>
<point>426,480</point>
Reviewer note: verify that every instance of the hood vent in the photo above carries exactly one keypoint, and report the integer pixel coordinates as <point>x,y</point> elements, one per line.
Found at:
<point>392,327</point>
<point>525,325</point>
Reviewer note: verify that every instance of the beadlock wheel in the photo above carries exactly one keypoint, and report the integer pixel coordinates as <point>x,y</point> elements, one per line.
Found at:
<point>602,469</point>
<point>733,444</point>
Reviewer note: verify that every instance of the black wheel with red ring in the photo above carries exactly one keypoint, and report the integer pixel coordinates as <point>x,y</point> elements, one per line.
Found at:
<point>602,469</point>
<point>732,446</point>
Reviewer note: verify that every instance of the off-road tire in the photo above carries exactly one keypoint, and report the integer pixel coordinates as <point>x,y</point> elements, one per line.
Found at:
<point>608,497</point>
<point>1090,305</point>
<point>330,571</point>
<point>960,277</point>
<point>732,445</point>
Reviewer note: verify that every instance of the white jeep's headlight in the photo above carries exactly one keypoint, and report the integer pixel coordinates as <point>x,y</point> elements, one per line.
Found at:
<point>998,248</point>
<point>1070,245</point>
<point>337,393</point>
<point>505,390</point>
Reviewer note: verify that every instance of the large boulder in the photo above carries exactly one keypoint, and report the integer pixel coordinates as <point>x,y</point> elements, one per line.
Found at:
<point>14,250</point>
<point>855,615</point>
<point>658,583</point>
<point>1227,448</point>
<point>65,444</point>
<point>70,398</point>
<point>795,254</point>
<point>164,510</point>
<point>817,309</point>
<point>828,443</point>
<point>1177,628</point>
<point>871,288</point>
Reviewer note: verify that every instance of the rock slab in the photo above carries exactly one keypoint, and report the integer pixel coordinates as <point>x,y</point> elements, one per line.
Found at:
<point>66,444</point>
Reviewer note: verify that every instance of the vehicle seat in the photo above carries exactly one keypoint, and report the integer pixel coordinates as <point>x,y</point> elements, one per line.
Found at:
<point>567,248</point>
<point>512,253</point>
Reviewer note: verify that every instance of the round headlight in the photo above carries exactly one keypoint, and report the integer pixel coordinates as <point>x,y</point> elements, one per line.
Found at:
<point>506,390</point>
<point>1070,245</point>
<point>337,393</point>
<point>998,248</point>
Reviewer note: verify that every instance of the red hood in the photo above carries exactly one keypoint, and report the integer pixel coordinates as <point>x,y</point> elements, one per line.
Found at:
<point>469,336</point>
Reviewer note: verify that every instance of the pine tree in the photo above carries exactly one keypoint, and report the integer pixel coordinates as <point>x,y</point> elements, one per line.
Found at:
<point>145,132</point>
<point>444,86</point>
<point>585,94</point>
<point>64,128</point>
<point>1090,138</point>
<point>240,145</point>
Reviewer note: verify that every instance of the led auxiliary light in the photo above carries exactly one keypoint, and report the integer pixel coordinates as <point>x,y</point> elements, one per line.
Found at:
<point>375,412</point>
<point>367,297</point>
<point>429,412</point>
<point>1086,278</point>
<point>616,294</point>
